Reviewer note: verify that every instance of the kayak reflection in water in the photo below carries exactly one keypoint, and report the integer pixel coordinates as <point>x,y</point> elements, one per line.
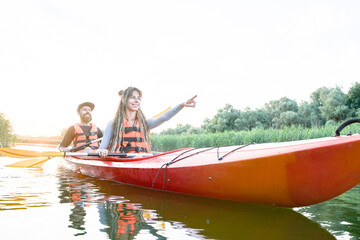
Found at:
<point>129,132</point>
<point>119,219</point>
<point>124,220</point>
<point>128,212</point>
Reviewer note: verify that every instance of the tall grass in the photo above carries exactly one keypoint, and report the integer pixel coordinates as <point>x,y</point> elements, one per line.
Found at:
<point>165,143</point>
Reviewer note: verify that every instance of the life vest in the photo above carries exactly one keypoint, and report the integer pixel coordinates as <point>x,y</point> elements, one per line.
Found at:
<point>132,139</point>
<point>82,138</point>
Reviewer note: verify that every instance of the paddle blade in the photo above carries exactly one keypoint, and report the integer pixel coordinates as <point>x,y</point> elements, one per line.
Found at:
<point>18,153</point>
<point>31,162</point>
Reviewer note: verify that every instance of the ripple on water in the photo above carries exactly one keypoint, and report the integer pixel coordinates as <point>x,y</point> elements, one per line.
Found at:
<point>22,188</point>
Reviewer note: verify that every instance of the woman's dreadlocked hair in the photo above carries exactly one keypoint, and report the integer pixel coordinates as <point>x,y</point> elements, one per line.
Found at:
<point>119,119</point>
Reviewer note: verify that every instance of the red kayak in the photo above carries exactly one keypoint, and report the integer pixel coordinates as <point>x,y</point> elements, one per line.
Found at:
<point>289,174</point>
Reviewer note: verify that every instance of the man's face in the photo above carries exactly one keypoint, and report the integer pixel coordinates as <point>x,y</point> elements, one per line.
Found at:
<point>85,114</point>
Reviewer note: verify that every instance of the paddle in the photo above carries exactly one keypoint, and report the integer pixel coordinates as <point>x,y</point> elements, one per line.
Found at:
<point>159,114</point>
<point>85,144</point>
<point>19,153</point>
<point>31,162</point>
<point>38,161</point>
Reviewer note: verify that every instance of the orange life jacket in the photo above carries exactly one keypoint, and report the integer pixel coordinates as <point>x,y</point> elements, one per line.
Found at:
<point>82,138</point>
<point>133,140</point>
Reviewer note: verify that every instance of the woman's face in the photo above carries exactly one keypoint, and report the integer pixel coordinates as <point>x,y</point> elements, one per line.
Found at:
<point>133,103</point>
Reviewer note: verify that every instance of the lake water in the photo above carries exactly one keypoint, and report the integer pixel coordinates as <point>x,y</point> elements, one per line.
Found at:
<point>55,203</point>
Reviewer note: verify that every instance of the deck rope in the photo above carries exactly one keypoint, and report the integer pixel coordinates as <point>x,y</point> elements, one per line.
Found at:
<point>221,158</point>
<point>177,160</point>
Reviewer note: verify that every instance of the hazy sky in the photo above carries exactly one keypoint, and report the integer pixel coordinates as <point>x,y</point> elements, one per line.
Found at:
<point>55,54</point>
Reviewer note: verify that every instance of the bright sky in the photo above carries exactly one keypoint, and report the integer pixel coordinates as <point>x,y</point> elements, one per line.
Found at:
<point>55,54</point>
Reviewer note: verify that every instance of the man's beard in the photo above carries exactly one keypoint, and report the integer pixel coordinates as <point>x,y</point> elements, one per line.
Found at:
<point>86,118</point>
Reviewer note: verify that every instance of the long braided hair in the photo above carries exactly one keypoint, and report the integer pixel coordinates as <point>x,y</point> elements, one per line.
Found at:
<point>118,126</point>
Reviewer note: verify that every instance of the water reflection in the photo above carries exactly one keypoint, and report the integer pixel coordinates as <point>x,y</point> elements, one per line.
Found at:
<point>126,212</point>
<point>340,215</point>
<point>72,191</point>
<point>23,188</point>
<point>123,219</point>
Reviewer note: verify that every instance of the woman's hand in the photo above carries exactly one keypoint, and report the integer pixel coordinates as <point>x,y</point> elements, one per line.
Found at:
<point>189,103</point>
<point>103,153</point>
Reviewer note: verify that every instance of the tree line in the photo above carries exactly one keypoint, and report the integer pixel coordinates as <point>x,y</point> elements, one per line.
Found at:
<point>327,106</point>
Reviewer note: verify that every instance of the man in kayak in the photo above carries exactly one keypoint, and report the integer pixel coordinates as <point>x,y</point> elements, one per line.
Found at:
<point>82,133</point>
<point>129,132</point>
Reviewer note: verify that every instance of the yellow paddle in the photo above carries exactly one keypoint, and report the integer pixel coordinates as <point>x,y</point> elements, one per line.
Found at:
<point>19,153</point>
<point>31,162</point>
<point>36,159</point>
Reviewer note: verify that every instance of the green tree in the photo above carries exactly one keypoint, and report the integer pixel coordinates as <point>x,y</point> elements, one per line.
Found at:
<point>195,130</point>
<point>224,120</point>
<point>253,119</point>
<point>246,121</point>
<point>334,105</point>
<point>308,115</point>
<point>289,118</point>
<point>262,119</point>
<point>353,98</point>
<point>209,125</point>
<point>6,137</point>
<point>178,130</point>
<point>318,98</point>
<point>282,112</point>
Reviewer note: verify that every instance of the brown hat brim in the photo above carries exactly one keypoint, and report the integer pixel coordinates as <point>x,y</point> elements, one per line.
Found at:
<point>89,104</point>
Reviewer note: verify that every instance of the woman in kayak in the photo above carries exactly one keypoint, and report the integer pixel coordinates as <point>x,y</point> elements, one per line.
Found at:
<point>130,130</point>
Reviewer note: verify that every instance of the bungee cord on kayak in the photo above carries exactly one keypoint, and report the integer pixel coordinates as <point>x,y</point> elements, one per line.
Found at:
<point>221,158</point>
<point>165,165</point>
<point>177,160</point>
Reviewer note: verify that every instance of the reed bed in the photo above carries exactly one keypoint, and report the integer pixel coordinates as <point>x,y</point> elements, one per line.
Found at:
<point>163,143</point>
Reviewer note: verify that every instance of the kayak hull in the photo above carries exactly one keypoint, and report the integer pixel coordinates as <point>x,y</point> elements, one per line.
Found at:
<point>289,174</point>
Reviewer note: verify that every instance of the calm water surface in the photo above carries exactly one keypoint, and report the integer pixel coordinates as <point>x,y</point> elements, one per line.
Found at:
<point>55,203</point>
